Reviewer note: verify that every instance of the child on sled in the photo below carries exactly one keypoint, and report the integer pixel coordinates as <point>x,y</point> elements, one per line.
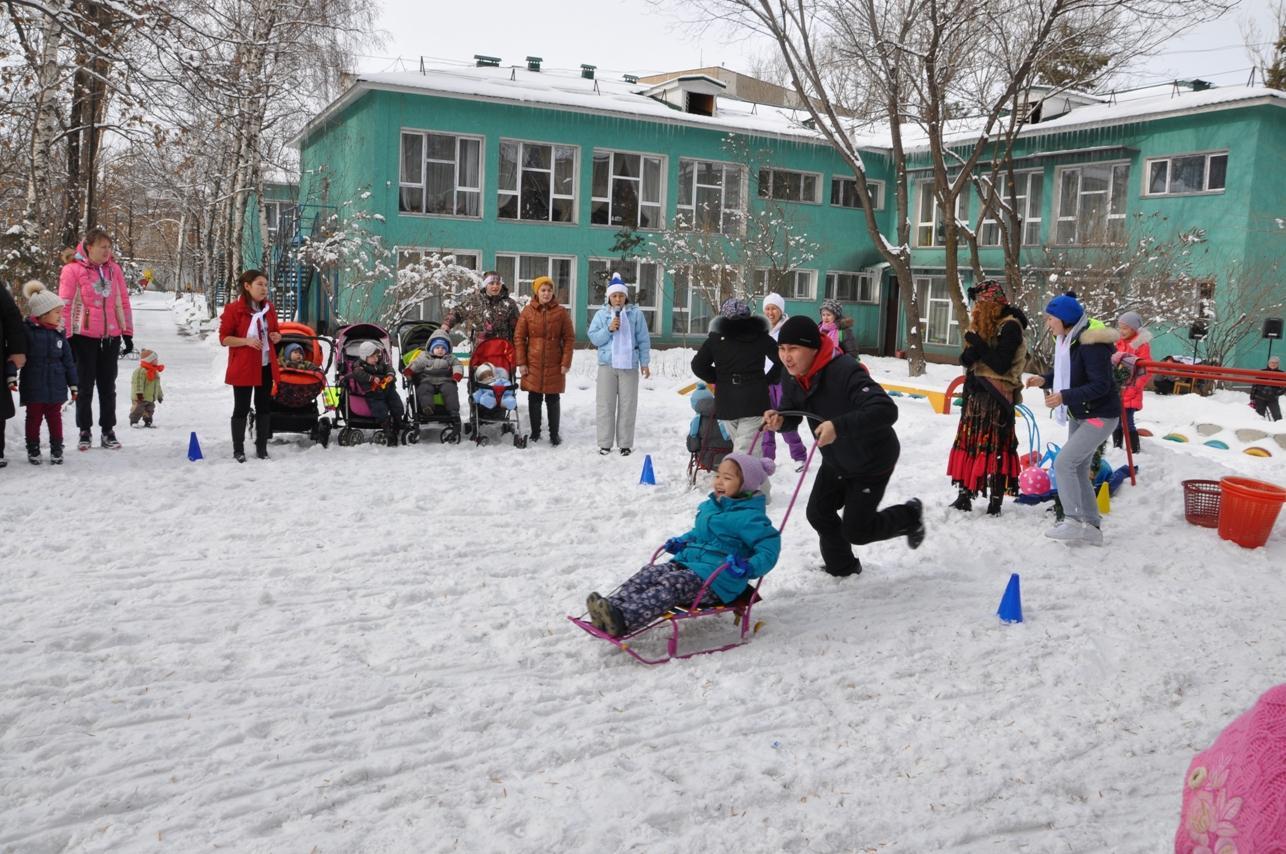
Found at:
<point>731,527</point>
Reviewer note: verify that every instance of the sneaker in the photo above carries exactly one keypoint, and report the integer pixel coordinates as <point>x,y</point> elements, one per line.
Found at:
<point>915,531</point>
<point>1066,530</point>
<point>33,456</point>
<point>109,441</point>
<point>85,442</point>
<point>602,452</point>
<point>1091,535</point>
<point>55,454</point>
<point>605,616</point>
<point>625,452</point>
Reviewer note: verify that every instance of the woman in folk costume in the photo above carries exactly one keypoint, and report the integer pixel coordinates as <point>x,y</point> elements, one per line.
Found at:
<point>984,456</point>
<point>248,328</point>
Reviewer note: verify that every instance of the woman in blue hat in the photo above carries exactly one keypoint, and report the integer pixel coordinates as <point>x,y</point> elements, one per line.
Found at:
<point>1084,396</point>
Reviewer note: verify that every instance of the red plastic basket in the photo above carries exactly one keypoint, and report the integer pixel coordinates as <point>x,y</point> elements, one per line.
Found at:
<point>1250,509</point>
<point>1201,500</point>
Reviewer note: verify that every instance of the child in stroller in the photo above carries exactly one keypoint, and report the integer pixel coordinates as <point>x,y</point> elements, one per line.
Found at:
<point>708,441</point>
<point>490,379</point>
<point>372,378</point>
<point>492,392</point>
<point>436,371</point>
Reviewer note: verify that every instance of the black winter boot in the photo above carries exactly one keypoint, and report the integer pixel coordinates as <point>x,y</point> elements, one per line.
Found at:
<point>239,439</point>
<point>964,501</point>
<point>55,452</point>
<point>533,415</point>
<point>915,528</point>
<point>33,453</point>
<point>263,432</point>
<point>993,505</point>
<point>555,413</point>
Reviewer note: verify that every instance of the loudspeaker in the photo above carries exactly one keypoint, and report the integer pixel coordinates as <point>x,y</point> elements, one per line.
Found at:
<point>1197,330</point>
<point>1272,327</point>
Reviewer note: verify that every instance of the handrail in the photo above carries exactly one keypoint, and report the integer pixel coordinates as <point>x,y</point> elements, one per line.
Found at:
<point>1212,372</point>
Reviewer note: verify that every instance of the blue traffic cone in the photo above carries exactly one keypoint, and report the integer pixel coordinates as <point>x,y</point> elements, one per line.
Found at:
<point>648,477</point>
<point>194,448</point>
<point>1011,604</point>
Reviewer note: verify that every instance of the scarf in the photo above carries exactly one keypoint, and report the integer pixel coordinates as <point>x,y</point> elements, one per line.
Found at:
<point>774,332</point>
<point>825,354</point>
<point>152,369</point>
<point>50,326</point>
<point>1063,364</point>
<point>258,328</point>
<point>623,342</point>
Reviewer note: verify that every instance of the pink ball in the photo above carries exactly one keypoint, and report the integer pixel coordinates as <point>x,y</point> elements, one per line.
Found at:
<point>1033,481</point>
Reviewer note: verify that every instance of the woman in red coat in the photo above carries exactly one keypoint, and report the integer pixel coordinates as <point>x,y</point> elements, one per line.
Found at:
<point>1133,345</point>
<point>248,328</point>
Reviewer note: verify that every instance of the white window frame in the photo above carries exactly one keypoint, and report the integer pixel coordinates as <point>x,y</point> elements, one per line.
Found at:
<point>431,308</point>
<point>1026,216</point>
<point>612,177</point>
<point>682,301</point>
<point>867,289</point>
<point>764,283</point>
<point>1168,162</point>
<point>731,219</point>
<point>521,285</point>
<point>630,272</point>
<point>767,190</point>
<point>874,185</point>
<point>503,192</point>
<point>458,188</point>
<point>924,285</point>
<point>1074,218</point>
<point>925,189</point>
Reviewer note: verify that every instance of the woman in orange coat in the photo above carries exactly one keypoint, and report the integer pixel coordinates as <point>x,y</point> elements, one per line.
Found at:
<point>543,343</point>
<point>248,328</point>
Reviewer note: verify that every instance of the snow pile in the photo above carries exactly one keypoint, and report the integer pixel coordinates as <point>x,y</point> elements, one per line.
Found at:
<point>365,650</point>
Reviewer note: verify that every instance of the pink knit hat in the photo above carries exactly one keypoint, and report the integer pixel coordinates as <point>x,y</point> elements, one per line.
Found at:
<point>1234,799</point>
<point>754,470</point>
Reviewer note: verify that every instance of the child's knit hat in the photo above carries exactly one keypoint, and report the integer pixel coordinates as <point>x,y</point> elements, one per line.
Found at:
<point>733,308</point>
<point>1066,308</point>
<point>700,394</point>
<point>617,286</point>
<point>485,373</point>
<point>367,349</point>
<point>1132,320</point>
<point>291,349</point>
<point>149,356</point>
<point>834,307</point>
<point>775,299</point>
<point>439,338</point>
<point>39,299</point>
<point>754,470</point>
<point>1235,792</point>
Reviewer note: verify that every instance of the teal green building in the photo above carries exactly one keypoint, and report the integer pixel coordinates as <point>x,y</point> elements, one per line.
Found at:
<point>532,171</point>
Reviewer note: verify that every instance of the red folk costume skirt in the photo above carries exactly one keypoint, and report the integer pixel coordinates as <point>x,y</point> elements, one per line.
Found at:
<point>984,456</point>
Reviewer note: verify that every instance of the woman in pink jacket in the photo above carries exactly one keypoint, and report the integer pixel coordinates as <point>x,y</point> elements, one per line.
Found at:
<point>96,315</point>
<point>1132,346</point>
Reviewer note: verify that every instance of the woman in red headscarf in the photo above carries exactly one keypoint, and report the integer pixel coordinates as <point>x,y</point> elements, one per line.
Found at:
<point>984,456</point>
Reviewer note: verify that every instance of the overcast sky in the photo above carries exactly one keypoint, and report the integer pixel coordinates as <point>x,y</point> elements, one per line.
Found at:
<point>639,37</point>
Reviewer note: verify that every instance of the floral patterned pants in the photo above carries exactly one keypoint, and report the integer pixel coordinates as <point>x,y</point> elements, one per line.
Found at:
<point>655,589</point>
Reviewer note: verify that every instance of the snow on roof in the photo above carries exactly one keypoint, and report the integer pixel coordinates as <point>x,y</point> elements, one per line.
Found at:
<point>602,96</point>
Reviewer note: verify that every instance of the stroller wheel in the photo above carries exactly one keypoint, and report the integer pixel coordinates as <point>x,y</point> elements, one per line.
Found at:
<point>507,428</point>
<point>350,436</point>
<point>450,436</point>
<point>410,436</point>
<point>380,438</point>
<point>468,428</point>
<point>520,441</point>
<point>482,440</point>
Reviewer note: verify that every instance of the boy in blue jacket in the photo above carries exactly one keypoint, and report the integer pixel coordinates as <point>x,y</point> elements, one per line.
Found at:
<point>731,527</point>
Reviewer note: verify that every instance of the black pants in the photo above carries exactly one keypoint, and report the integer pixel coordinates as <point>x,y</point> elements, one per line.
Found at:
<point>1269,405</point>
<point>96,367</point>
<point>241,396</point>
<point>862,521</point>
<point>533,410</point>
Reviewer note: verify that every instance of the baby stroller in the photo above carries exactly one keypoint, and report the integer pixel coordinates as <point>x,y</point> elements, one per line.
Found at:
<point>412,337</point>
<point>707,441</point>
<point>294,406</point>
<point>352,409</point>
<point>499,353</point>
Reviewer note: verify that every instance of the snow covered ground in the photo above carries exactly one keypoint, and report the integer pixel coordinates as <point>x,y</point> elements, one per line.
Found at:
<point>365,649</point>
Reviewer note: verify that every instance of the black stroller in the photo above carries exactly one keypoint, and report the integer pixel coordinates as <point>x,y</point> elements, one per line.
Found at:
<point>413,336</point>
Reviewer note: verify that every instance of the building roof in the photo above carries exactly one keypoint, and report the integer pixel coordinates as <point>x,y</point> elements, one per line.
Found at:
<point>568,90</point>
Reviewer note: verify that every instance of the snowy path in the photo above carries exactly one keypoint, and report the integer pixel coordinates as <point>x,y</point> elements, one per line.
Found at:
<point>364,649</point>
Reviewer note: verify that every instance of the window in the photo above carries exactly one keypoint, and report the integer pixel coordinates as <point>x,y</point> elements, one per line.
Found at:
<point>851,287</point>
<point>519,271</point>
<point>537,181</point>
<point>699,290</point>
<point>626,190</point>
<point>441,174</point>
<point>1029,196</point>
<point>787,186</point>
<point>430,308</point>
<point>930,228</point>
<point>1192,173</point>
<point>791,284</point>
<point>643,277</point>
<point>1091,203</point>
<point>710,196</point>
<point>937,321</point>
<point>844,193</point>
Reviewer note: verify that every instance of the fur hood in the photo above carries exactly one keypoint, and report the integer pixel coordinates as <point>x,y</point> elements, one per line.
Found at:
<point>1097,333</point>
<point>741,328</point>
